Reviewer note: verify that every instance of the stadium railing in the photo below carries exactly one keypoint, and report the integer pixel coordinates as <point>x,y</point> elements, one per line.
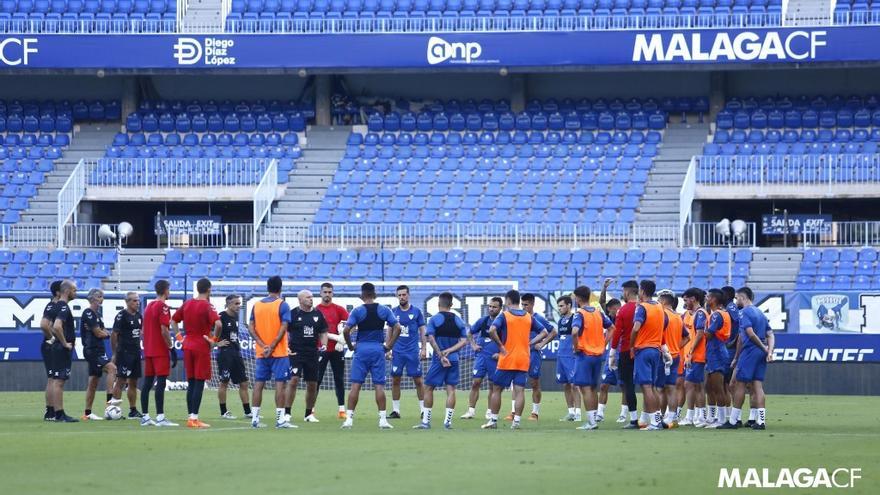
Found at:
<point>264,195</point>
<point>686,198</point>
<point>69,197</point>
<point>23,236</point>
<point>491,23</point>
<point>842,234</point>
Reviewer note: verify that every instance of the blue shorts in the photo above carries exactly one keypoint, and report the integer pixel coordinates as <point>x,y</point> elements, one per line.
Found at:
<point>368,358</point>
<point>695,373</point>
<point>587,370</point>
<point>408,361</point>
<point>672,376</point>
<point>717,363</point>
<point>609,376</point>
<point>439,376</point>
<point>565,367</point>
<point>535,364</point>
<point>648,366</point>
<point>272,367</point>
<point>751,366</point>
<point>503,378</point>
<point>484,365</point>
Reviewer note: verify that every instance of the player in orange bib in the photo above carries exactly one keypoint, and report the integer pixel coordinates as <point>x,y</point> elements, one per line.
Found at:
<point>647,339</point>
<point>588,332</point>
<point>695,361</point>
<point>511,332</point>
<point>676,337</point>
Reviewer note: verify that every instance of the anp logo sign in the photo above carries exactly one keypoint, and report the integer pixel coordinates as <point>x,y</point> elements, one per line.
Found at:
<point>439,51</point>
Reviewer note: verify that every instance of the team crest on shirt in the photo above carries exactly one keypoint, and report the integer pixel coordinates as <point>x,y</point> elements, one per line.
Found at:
<point>411,316</point>
<point>315,318</point>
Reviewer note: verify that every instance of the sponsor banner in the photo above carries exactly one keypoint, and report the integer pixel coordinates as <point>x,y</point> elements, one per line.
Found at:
<point>187,225</point>
<point>450,50</point>
<point>809,326</point>
<point>797,224</point>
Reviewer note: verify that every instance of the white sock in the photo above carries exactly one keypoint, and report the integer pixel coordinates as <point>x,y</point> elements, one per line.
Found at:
<point>279,414</point>
<point>512,406</point>
<point>753,413</point>
<point>493,417</point>
<point>395,406</point>
<point>449,412</point>
<point>690,415</point>
<point>624,410</point>
<point>601,410</point>
<point>536,408</point>
<point>160,417</point>
<point>255,414</point>
<point>421,406</point>
<point>146,416</point>
<point>472,411</point>
<point>713,413</point>
<point>383,415</point>
<point>762,416</point>
<point>192,416</point>
<point>735,414</point>
<point>195,417</point>
<point>645,417</point>
<point>516,419</point>
<point>591,417</point>
<point>341,408</point>
<point>701,414</point>
<point>427,417</point>
<point>656,418</point>
<point>577,411</point>
<point>722,414</point>
<point>571,411</point>
<point>633,415</point>
<point>677,412</point>
<point>349,414</point>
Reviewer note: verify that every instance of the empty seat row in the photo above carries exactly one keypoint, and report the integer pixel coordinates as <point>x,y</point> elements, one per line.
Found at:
<point>790,136</point>
<point>505,151</point>
<point>524,121</point>
<point>838,282</point>
<point>293,122</point>
<point>576,161</point>
<point>843,255</point>
<point>206,139</point>
<point>145,151</point>
<point>504,137</point>
<point>778,119</point>
<point>89,257</point>
<point>868,148</point>
<point>802,103</point>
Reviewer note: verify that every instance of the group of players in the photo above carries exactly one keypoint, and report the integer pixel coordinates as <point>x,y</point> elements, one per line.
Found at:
<point>703,361</point>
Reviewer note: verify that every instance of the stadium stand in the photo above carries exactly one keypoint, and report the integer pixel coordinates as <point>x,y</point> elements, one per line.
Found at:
<point>538,270</point>
<point>35,270</point>
<point>73,16</point>
<point>179,134</point>
<point>810,133</point>
<point>839,269</point>
<point>34,135</point>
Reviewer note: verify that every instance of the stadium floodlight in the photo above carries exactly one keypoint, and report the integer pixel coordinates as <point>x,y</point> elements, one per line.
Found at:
<point>739,228</point>
<point>123,232</point>
<point>105,233</point>
<point>722,228</point>
<point>734,231</point>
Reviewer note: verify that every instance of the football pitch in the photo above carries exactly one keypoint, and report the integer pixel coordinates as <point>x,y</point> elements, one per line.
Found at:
<point>544,457</point>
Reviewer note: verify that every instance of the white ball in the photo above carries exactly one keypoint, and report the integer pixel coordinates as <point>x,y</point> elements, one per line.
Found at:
<point>113,412</point>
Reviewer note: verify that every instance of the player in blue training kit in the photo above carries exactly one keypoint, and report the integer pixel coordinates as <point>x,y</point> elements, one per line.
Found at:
<point>406,355</point>
<point>732,310</point>
<point>486,355</point>
<point>447,334</point>
<point>565,362</point>
<point>717,358</point>
<point>753,352</point>
<point>369,321</point>
<point>547,334</point>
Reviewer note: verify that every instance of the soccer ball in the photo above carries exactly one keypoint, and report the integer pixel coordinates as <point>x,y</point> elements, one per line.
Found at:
<point>113,412</point>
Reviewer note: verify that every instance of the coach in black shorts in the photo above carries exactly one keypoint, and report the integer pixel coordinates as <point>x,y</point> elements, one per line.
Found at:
<point>229,361</point>
<point>49,314</point>
<point>306,329</point>
<point>61,350</point>
<point>126,343</point>
<point>93,336</point>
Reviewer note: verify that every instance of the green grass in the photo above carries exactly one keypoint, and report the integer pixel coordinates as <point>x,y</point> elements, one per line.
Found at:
<point>546,457</point>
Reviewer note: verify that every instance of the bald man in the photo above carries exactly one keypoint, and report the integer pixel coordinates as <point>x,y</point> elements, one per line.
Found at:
<point>307,334</point>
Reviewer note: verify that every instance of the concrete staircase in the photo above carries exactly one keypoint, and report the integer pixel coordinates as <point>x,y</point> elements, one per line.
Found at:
<point>808,13</point>
<point>90,141</point>
<point>202,16</point>
<point>661,200</point>
<point>774,269</point>
<point>137,268</point>
<point>325,147</point>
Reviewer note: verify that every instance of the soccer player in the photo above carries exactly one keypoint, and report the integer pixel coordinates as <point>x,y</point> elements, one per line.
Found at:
<point>486,355</point>
<point>753,352</point>
<point>619,356</point>
<point>565,360</point>
<point>588,333</point>
<point>61,350</point>
<point>609,376</point>
<point>732,309</point>
<point>511,332</point>
<point>695,371</point>
<point>269,320</point>
<point>675,337</point>
<point>200,321</point>
<point>334,355</point>
<point>229,362</point>
<point>159,353</point>
<point>649,324</point>
<point>369,320</point>
<point>306,331</point>
<point>542,338</point>
<point>447,334</point>
<point>407,355</point>
<point>126,344</point>
<point>717,359</point>
<point>46,323</point>
<point>93,335</point>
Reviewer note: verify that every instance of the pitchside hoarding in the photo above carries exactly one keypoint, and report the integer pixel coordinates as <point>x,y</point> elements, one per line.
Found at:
<point>828,326</point>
